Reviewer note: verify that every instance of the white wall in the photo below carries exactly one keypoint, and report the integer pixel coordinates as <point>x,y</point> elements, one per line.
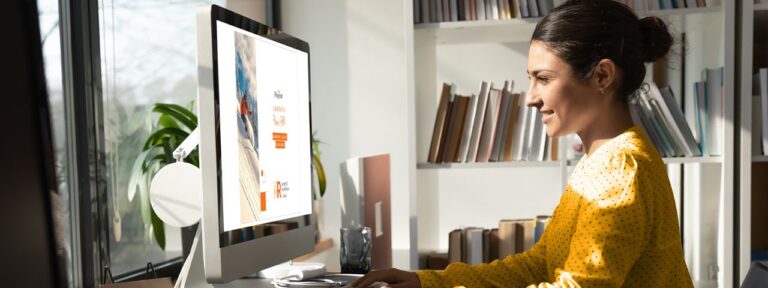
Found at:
<point>361,103</point>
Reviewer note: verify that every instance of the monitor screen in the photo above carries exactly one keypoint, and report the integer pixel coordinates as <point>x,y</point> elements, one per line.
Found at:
<point>264,135</point>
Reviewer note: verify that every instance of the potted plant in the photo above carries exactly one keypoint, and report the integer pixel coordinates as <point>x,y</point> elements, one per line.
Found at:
<point>318,173</point>
<point>172,127</point>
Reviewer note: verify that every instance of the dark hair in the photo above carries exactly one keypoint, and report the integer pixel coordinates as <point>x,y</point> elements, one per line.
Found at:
<point>583,32</point>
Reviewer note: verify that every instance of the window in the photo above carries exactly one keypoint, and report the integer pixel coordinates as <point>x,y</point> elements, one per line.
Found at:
<point>148,51</point>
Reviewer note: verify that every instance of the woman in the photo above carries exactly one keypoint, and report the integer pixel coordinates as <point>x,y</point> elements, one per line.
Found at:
<point>616,223</point>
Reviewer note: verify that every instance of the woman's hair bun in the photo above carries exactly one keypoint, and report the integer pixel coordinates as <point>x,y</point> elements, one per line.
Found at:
<point>656,37</point>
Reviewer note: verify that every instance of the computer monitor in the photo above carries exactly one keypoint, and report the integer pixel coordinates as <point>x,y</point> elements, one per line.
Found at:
<point>255,150</point>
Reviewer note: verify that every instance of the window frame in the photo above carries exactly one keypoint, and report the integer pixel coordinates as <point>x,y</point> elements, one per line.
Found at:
<point>88,178</point>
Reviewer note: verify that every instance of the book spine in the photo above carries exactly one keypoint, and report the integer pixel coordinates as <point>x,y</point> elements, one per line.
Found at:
<point>468,125</point>
<point>477,128</point>
<point>489,127</point>
<point>506,99</point>
<point>440,124</point>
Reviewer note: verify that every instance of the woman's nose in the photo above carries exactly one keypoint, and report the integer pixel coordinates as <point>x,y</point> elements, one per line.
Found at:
<point>532,99</point>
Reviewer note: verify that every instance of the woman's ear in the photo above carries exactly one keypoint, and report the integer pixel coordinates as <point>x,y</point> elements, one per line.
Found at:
<point>604,75</point>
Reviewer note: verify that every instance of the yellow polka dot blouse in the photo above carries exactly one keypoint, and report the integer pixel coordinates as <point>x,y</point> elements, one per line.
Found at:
<point>615,226</point>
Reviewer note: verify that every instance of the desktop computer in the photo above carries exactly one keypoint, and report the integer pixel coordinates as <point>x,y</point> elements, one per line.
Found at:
<point>255,150</point>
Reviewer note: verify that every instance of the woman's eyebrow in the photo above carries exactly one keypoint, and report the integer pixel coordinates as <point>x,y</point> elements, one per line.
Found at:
<point>537,71</point>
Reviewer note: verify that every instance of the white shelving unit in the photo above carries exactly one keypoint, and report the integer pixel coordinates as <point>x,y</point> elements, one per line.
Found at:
<point>753,16</point>
<point>465,53</point>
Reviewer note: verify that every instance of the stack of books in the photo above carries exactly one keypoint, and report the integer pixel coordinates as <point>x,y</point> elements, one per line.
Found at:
<point>475,245</point>
<point>494,125</point>
<point>434,11</point>
<point>656,111</point>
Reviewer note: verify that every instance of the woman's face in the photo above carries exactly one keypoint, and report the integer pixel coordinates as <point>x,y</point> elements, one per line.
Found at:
<point>567,104</point>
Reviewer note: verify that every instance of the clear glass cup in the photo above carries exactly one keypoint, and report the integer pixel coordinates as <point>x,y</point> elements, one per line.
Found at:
<point>355,250</point>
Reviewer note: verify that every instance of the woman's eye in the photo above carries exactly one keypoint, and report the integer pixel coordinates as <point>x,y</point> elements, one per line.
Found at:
<point>542,79</point>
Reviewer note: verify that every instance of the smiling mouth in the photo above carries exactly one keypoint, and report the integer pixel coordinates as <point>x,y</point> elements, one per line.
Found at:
<point>546,115</point>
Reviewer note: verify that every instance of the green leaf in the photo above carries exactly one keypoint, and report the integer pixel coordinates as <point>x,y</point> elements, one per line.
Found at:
<point>136,174</point>
<point>179,113</point>
<point>156,137</point>
<point>320,173</point>
<point>166,121</point>
<point>158,228</point>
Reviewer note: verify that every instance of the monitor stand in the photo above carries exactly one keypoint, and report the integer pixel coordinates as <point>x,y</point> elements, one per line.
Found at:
<point>192,274</point>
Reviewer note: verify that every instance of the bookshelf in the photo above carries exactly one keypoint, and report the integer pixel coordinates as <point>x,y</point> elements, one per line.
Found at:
<point>467,52</point>
<point>436,198</point>
<point>754,18</point>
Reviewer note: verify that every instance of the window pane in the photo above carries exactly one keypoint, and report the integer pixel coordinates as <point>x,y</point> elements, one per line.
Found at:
<point>148,52</point>
<point>51,42</point>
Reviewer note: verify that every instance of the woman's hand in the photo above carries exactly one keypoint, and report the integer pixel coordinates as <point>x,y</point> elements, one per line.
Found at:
<point>393,277</point>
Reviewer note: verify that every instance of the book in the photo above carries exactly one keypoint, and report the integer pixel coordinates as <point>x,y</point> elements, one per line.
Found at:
<point>646,113</point>
<point>655,95</point>
<point>519,135</point>
<point>455,129</point>
<point>454,9</point>
<point>679,119</point>
<point>489,126</point>
<point>524,13</point>
<point>437,261</point>
<point>540,225</point>
<point>440,124</point>
<point>700,96</point>
<point>533,8</point>
<point>528,133</point>
<point>455,245</point>
<point>535,136</point>
<point>515,6</point>
<point>439,10</point>
<point>481,10</point>
<point>506,101</point>
<point>472,10</point>
<point>473,245</point>
<point>545,6</point>
<point>494,9</point>
<point>467,9</point>
<point>528,233</point>
<point>417,11</point>
<point>509,232</point>
<point>509,134</point>
<point>446,11</point>
<point>467,132</point>
<point>477,126</point>
<point>493,245</point>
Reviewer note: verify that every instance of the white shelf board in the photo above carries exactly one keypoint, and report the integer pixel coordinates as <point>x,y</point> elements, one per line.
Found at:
<point>689,160</point>
<point>507,164</point>
<point>678,160</point>
<point>761,7</point>
<point>680,11</point>
<point>475,24</point>
<point>759,158</point>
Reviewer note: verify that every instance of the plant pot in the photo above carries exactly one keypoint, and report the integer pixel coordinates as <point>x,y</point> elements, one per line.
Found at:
<point>317,209</point>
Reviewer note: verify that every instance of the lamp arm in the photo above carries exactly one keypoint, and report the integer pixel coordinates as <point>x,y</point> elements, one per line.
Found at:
<point>188,145</point>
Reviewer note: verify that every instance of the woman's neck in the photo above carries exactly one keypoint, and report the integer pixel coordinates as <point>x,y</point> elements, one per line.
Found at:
<point>609,124</point>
